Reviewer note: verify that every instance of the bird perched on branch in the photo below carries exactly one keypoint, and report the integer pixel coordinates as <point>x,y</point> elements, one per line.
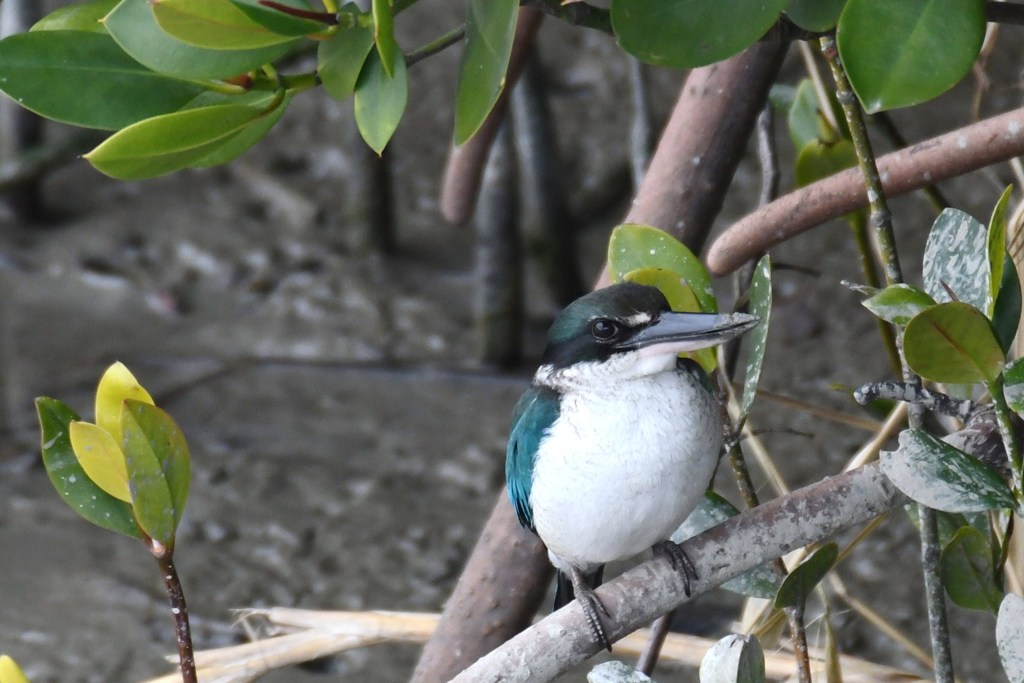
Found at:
<point>616,441</point>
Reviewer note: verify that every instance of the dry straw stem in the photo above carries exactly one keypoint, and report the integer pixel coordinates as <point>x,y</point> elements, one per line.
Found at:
<point>312,634</point>
<point>961,151</point>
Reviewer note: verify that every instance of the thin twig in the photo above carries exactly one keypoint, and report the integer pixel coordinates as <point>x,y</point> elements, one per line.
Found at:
<point>881,218</point>
<point>433,47</point>
<point>176,597</point>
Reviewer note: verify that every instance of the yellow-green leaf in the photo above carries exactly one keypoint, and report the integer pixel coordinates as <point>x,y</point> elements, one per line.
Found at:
<point>384,35</point>
<point>10,672</point>
<point>116,385</point>
<point>632,247</point>
<point>340,58</point>
<point>101,458</point>
<point>380,101</point>
<point>490,29</point>
<point>953,343</point>
<point>681,297</point>
<point>151,496</point>
<point>167,442</point>
<point>168,143</point>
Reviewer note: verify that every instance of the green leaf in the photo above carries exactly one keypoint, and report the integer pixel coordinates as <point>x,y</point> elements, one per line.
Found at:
<point>170,142</point>
<point>801,581</point>
<point>681,297</point>
<point>78,16</point>
<point>243,140</point>
<point>1010,636</point>
<point>135,29</point>
<point>151,495</point>
<point>968,573</point>
<point>384,35</point>
<point>815,15</point>
<point>278,22</point>
<point>899,53</point>
<point>213,24</point>
<point>167,443</point>
<point>953,343</point>
<point>733,659</point>
<point>70,480</point>
<point>101,458</point>
<point>688,33</point>
<point>712,510</point>
<point>996,243</point>
<point>111,90</point>
<point>897,304</point>
<point>490,28</point>
<point>819,160</point>
<point>806,121</point>
<point>1013,385</point>
<point>380,101</point>
<point>632,247</point>
<point>1006,317</point>
<point>340,58</point>
<point>943,477</point>
<point>757,338</point>
<point>956,256</point>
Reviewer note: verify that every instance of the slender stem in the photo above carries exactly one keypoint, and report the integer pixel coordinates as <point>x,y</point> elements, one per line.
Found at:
<point>881,218</point>
<point>175,595</point>
<point>1013,453</point>
<point>652,650</point>
<point>433,47</point>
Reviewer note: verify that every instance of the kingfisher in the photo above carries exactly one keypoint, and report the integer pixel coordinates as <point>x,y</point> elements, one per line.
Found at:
<point>617,439</point>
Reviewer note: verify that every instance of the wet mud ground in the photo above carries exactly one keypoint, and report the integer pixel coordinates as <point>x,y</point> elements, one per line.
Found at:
<point>346,448</point>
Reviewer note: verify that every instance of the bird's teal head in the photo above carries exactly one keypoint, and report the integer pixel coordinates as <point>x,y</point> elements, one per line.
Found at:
<point>634,326</point>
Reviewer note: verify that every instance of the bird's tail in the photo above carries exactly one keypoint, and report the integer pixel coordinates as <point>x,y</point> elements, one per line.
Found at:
<point>564,594</point>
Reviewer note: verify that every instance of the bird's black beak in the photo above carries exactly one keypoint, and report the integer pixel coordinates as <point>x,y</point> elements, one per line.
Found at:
<point>680,332</point>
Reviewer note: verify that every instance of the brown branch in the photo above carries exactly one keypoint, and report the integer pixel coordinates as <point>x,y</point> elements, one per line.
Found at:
<point>465,167</point>
<point>952,154</point>
<point>811,514</point>
<point>704,141</point>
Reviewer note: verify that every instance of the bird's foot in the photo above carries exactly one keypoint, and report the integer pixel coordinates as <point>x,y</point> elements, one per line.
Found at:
<point>673,552</point>
<point>592,607</point>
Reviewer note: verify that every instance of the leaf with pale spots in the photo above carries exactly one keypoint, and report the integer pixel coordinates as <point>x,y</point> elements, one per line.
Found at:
<point>899,303</point>
<point>956,257</point>
<point>801,581</point>
<point>681,297</point>
<point>68,477</point>
<point>757,338</point>
<point>1013,385</point>
<point>101,458</point>
<point>116,385</point>
<point>940,476</point>
<point>147,448</point>
<point>733,659</point>
<point>1010,636</point>
<point>968,572</point>
<point>632,247</point>
<point>953,343</point>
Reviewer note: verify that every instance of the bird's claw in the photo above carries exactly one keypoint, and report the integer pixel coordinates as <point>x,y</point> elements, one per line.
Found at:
<point>673,552</point>
<point>592,608</point>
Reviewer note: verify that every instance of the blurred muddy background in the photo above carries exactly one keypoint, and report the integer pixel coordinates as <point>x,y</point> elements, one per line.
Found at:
<point>347,444</point>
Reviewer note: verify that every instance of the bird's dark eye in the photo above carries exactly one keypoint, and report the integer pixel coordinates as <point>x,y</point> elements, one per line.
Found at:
<point>603,329</point>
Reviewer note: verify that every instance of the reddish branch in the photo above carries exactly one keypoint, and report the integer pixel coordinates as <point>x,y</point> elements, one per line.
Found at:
<point>967,149</point>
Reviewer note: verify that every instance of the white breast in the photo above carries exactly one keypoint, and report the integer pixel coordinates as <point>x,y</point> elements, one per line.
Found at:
<point>623,466</point>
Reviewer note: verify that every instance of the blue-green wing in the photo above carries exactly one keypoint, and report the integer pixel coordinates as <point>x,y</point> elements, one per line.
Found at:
<point>536,411</point>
